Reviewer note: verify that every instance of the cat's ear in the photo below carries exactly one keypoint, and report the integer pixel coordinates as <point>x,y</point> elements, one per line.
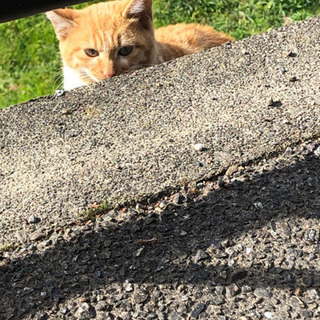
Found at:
<point>63,21</point>
<point>138,9</point>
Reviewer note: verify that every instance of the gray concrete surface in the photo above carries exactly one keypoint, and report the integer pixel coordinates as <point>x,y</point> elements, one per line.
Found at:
<point>245,247</point>
<point>132,138</point>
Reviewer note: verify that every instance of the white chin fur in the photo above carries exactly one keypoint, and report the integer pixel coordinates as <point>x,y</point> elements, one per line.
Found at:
<point>71,79</point>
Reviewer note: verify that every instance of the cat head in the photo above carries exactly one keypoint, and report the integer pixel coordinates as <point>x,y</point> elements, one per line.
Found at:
<point>105,39</point>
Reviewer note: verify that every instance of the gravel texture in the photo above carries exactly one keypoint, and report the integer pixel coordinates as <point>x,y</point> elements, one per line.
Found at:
<point>209,168</point>
<point>243,247</point>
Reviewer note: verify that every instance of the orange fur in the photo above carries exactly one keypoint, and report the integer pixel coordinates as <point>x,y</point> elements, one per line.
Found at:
<point>106,28</point>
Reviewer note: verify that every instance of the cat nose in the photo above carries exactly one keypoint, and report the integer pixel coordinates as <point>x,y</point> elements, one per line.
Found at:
<point>110,74</point>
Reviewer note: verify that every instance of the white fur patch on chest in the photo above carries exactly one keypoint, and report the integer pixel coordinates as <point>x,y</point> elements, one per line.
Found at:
<point>71,79</point>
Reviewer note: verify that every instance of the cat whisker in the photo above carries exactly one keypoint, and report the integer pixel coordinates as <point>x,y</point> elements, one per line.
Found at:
<point>87,77</point>
<point>58,80</point>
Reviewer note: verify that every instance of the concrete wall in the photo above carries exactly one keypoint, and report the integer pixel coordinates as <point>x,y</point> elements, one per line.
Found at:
<point>133,136</point>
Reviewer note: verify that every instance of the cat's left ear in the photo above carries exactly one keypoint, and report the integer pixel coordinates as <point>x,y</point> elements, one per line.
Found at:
<point>138,9</point>
<point>62,20</point>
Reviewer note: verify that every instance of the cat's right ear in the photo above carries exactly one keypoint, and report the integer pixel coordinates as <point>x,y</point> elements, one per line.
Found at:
<point>139,9</point>
<point>62,20</point>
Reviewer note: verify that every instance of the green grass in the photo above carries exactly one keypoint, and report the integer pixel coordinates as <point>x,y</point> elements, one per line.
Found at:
<point>92,213</point>
<point>29,59</point>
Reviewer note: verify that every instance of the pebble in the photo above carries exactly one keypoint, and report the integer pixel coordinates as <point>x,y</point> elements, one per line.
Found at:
<point>139,251</point>
<point>289,150</point>
<point>200,255</point>
<point>36,236</point>
<point>274,103</point>
<point>317,152</point>
<point>312,235</point>
<point>59,93</point>
<point>246,288</point>
<point>199,147</point>
<point>305,314</point>
<point>101,306</point>
<point>199,164</point>
<point>295,302</point>
<point>98,274</point>
<point>197,310</point>
<point>32,248</point>
<point>178,198</point>
<point>64,311</point>
<point>220,290</point>
<point>139,296</point>
<point>261,292</point>
<point>85,311</point>
<point>283,70</point>
<point>258,205</point>
<point>269,315</point>
<point>128,287</point>
<point>232,290</point>
<point>287,230</point>
<point>33,219</point>
<point>293,79</point>
<point>162,204</point>
<point>292,54</point>
<point>313,294</point>
<point>307,281</point>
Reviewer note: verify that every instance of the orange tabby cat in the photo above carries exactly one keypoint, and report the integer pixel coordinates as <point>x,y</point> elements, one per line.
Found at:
<point>110,38</point>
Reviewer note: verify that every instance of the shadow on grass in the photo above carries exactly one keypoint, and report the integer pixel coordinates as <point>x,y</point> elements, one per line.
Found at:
<point>157,249</point>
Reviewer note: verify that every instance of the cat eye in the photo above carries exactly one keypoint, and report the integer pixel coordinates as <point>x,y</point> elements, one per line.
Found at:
<point>124,51</point>
<point>91,52</point>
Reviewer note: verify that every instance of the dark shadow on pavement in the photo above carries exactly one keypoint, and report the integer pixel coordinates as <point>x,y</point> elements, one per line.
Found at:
<point>182,245</point>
